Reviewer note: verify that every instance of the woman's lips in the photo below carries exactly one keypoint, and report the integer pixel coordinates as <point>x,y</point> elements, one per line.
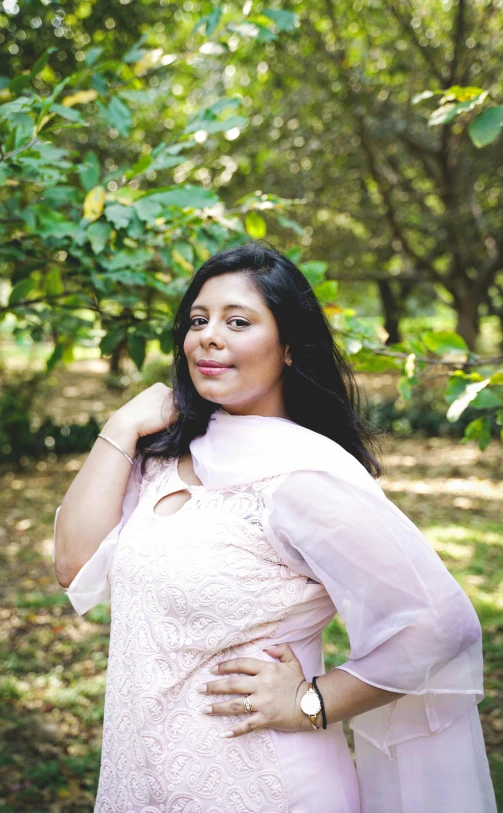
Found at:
<point>213,370</point>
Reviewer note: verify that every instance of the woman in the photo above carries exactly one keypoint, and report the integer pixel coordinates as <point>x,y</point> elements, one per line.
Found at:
<point>230,519</point>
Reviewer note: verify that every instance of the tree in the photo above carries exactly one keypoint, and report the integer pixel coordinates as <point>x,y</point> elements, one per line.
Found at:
<point>389,199</point>
<point>89,242</point>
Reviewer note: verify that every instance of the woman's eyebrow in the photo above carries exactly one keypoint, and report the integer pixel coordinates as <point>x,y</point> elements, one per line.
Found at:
<point>227,308</point>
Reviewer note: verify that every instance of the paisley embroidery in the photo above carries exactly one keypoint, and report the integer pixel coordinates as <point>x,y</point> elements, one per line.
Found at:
<point>189,592</point>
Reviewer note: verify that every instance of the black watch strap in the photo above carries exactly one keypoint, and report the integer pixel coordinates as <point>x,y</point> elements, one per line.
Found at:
<point>323,715</point>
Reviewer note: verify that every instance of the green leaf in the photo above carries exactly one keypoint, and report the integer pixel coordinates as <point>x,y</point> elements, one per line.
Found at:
<point>186,196</point>
<point>165,161</point>
<point>218,126</point>
<point>441,342</point>
<point>185,250</point>
<point>287,223</point>
<point>486,128</point>
<point>119,215</point>
<point>479,429</point>
<point>137,346</point>
<point>138,96</point>
<point>209,22</point>
<point>136,52</point>
<point>54,224</point>
<point>447,112</point>
<point>255,225</point>
<point>285,20</point>
<point>111,339</point>
<point>159,285</point>
<point>53,284</point>
<point>21,290</point>
<point>405,388</point>
<point>68,113</point>
<point>118,116</point>
<point>148,210</point>
<point>92,56</point>
<point>15,106</point>
<point>89,171</point>
<point>461,93</point>
<point>294,254</point>
<point>99,234</point>
<point>326,291</point>
<point>264,34</point>
<point>141,166</point>
<point>486,399</point>
<point>41,62</point>
<point>457,384</point>
<point>460,404</point>
<point>314,271</point>
<point>128,259</point>
<point>166,340</point>
<point>55,357</point>
<point>128,277</point>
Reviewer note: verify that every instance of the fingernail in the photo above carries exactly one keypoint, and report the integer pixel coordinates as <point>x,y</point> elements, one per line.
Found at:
<point>226,734</point>
<point>206,709</point>
<point>202,688</point>
<point>214,670</point>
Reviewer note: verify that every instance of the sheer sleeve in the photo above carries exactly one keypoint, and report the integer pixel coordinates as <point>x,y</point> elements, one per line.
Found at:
<point>91,585</point>
<point>411,627</point>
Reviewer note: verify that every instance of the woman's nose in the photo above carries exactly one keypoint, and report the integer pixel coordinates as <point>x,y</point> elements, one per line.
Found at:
<point>210,334</point>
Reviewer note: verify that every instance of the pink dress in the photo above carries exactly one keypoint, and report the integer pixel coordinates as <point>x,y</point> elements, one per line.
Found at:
<point>187,591</point>
<point>286,530</point>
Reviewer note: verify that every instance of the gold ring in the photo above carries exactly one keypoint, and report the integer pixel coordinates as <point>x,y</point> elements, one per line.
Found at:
<point>248,705</point>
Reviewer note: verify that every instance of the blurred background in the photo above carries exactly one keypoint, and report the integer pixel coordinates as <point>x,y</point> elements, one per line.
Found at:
<point>137,138</point>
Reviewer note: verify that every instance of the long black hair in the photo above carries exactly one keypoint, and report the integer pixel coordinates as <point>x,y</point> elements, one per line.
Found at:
<point>319,387</point>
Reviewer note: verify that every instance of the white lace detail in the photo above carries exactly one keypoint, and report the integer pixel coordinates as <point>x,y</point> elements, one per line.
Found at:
<point>189,590</point>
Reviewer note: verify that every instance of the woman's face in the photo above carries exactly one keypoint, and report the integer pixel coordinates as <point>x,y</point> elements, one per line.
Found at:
<point>231,324</point>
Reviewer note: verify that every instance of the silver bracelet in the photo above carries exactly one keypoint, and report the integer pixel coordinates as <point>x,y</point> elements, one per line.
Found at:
<point>101,435</point>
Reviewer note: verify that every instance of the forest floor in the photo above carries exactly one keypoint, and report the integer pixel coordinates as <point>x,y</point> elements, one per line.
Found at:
<point>53,662</point>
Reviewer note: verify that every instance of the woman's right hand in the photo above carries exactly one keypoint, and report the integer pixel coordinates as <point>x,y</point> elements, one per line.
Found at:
<point>148,412</point>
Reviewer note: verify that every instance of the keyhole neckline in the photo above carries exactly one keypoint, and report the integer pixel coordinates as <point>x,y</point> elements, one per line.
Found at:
<point>185,487</point>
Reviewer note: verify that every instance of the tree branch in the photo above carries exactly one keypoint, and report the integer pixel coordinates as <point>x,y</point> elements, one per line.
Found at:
<point>391,214</point>
<point>426,51</point>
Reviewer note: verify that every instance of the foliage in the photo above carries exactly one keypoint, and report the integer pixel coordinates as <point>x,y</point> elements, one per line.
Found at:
<point>130,154</point>
<point>414,358</point>
<point>485,127</point>
<point>90,243</point>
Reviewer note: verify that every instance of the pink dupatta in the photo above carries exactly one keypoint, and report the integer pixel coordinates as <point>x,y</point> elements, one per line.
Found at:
<point>411,627</point>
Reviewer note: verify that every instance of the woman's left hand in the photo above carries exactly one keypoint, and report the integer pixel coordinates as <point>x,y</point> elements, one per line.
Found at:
<point>274,690</point>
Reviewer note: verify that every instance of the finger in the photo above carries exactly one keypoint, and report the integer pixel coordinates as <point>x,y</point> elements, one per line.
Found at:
<point>283,652</point>
<point>253,723</point>
<point>248,666</point>
<point>234,684</point>
<point>229,707</point>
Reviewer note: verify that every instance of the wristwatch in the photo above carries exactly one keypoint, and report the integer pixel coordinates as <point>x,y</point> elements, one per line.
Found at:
<point>310,705</point>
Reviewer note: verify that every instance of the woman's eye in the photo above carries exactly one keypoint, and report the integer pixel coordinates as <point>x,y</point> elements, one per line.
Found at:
<point>235,319</point>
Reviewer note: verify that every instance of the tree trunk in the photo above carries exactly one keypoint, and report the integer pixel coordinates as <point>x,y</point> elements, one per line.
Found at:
<point>118,354</point>
<point>467,310</point>
<point>392,307</point>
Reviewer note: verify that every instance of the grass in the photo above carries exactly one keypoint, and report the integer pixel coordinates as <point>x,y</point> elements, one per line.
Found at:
<point>53,662</point>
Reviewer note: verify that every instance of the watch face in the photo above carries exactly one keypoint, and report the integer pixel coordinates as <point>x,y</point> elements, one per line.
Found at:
<point>310,703</point>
